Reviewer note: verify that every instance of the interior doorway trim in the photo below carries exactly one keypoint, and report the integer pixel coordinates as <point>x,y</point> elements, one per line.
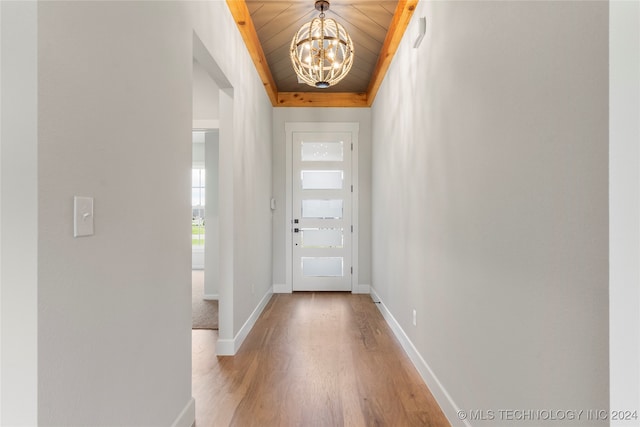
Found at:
<point>290,128</point>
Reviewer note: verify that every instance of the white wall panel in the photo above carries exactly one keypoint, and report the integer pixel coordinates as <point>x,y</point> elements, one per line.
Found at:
<point>115,118</point>
<point>18,214</point>
<point>490,202</point>
<point>624,208</point>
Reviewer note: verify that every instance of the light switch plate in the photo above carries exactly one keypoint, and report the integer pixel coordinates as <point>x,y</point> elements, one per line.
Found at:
<point>82,216</point>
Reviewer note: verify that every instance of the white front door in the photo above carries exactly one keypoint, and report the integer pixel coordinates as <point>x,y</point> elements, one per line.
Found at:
<point>321,211</point>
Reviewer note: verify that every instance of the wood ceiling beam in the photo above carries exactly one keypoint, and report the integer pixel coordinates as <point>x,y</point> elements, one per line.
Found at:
<point>241,15</point>
<point>322,99</point>
<point>399,23</point>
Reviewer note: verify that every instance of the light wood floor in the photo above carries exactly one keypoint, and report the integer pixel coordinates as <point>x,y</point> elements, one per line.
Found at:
<point>312,359</point>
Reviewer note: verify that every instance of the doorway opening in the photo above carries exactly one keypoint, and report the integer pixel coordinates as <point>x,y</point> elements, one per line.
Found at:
<point>212,195</point>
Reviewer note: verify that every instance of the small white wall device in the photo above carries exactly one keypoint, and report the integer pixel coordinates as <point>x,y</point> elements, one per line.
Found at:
<point>422,30</point>
<point>82,216</point>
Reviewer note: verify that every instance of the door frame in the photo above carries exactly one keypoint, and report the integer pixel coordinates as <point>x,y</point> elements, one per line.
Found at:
<point>290,127</point>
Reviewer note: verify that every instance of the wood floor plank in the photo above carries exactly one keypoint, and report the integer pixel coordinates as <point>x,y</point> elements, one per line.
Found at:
<point>312,359</point>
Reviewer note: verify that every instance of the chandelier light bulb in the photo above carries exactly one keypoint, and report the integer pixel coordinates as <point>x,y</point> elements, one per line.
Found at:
<point>321,51</point>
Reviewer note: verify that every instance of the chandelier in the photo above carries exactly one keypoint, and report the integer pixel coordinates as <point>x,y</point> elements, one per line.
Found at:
<point>322,50</point>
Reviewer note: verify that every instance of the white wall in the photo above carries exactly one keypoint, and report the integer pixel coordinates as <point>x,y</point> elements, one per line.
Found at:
<point>197,155</point>
<point>490,202</point>
<point>18,214</point>
<point>114,84</point>
<point>205,95</point>
<point>115,124</point>
<point>624,205</point>
<point>226,216</point>
<point>280,227</point>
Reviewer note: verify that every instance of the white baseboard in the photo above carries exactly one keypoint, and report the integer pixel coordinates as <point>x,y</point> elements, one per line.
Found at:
<point>361,289</point>
<point>281,289</point>
<point>187,417</point>
<point>441,395</point>
<point>211,297</point>
<point>230,347</point>
<point>225,347</point>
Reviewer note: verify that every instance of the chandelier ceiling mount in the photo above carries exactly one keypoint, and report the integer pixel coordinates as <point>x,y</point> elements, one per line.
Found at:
<point>322,5</point>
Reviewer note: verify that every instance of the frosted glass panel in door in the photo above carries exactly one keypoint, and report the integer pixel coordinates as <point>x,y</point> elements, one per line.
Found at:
<point>322,180</point>
<point>322,266</point>
<point>322,151</point>
<point>322,209</point>
<point>322,237</point>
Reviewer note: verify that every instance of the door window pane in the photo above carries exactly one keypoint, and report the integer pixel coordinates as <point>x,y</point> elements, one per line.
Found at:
<point>197,177</point>
<point>322,266</point>
<point>322,238</point>
<point>197,187</point>
<point>322,180</point>
<point>324,209</point>
<point>322,151</point>
<point>197,197</point>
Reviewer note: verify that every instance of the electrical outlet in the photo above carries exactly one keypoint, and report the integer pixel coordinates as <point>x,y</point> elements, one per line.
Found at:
<point>415,317</point>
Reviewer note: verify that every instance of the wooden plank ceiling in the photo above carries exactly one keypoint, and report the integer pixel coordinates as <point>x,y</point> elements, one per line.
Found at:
<point>376,27</point>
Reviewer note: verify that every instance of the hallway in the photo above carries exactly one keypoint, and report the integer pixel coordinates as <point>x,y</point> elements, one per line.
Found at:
<point>312,359</point>
<point>495,215</point>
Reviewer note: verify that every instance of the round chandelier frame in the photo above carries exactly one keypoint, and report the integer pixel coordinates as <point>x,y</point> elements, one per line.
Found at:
<point>322,50</point>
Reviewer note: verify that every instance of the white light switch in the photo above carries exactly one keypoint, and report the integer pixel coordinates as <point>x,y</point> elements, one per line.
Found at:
<point>82,216</point>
